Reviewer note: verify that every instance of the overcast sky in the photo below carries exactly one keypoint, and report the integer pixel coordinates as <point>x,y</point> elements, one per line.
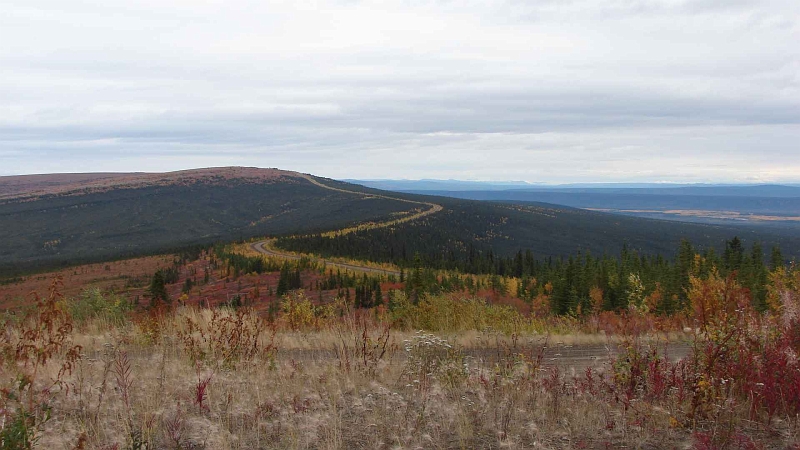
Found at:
<point>542,91</point>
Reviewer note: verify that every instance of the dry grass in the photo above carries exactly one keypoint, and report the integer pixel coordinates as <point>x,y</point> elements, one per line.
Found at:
<point>227,379</point>
<point>284,402</point>
<point>137,387</point>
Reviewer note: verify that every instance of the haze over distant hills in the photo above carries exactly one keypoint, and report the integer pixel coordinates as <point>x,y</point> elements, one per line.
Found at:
<point>735,190</point>
<point>763,205</point>
<point>436,185</point>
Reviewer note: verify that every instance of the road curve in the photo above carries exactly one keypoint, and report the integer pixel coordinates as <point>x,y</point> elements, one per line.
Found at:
<point>265,247</point>
<point>433,208</point>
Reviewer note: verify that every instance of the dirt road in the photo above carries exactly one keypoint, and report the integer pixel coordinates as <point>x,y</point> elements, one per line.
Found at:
<point>568,357</point>
<point>265,247</point>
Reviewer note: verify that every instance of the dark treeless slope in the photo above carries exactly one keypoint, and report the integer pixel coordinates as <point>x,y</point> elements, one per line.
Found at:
<point>68,220</point>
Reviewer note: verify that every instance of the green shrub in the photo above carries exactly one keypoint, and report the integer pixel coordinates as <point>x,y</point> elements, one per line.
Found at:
<point>447,313</point>
<point>92,303</point>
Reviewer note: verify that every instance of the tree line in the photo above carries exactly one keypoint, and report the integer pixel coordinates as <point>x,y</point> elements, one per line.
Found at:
<point>580,282</point>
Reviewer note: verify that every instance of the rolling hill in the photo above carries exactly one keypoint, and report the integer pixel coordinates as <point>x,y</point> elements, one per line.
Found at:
<point>66,219</point>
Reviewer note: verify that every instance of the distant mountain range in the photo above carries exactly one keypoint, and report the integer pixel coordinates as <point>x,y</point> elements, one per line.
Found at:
<point>765,205</point>
<point>727,190</point>
<point>436,185</point>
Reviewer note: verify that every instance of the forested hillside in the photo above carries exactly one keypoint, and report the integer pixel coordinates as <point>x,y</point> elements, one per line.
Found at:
<point>468,232</point>
<point>112,220</point>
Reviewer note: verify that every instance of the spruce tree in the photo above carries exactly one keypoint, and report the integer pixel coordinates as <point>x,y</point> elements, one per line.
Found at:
<point>776,258</point>
<point>158,290</point>
<point>283,283</point>
<point>378,294</point>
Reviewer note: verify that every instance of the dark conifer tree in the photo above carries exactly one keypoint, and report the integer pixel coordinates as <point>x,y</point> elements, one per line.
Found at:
<point>158,290</point>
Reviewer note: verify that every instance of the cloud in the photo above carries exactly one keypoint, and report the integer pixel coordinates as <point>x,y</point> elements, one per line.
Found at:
<point>544,91</point>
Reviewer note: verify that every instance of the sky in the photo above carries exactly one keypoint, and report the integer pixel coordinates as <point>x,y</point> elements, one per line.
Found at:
<point>545,91</point>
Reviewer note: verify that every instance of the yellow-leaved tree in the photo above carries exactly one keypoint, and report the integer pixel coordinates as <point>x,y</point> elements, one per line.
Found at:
<point>783,293</point>
<point>714,300</point>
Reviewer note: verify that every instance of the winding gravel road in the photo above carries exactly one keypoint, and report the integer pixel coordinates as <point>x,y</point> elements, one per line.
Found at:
<point>266,246</point>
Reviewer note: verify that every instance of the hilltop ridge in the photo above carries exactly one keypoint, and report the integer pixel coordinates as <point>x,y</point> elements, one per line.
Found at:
<point>26,186</point>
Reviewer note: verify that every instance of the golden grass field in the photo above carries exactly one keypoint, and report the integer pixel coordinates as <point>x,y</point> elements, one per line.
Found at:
<point>138,384</point>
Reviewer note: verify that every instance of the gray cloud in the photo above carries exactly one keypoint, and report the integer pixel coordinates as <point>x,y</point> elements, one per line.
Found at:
<point>567,90</point>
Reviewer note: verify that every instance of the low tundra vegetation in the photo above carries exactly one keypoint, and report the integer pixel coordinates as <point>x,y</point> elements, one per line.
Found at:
<point>439,372</point>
